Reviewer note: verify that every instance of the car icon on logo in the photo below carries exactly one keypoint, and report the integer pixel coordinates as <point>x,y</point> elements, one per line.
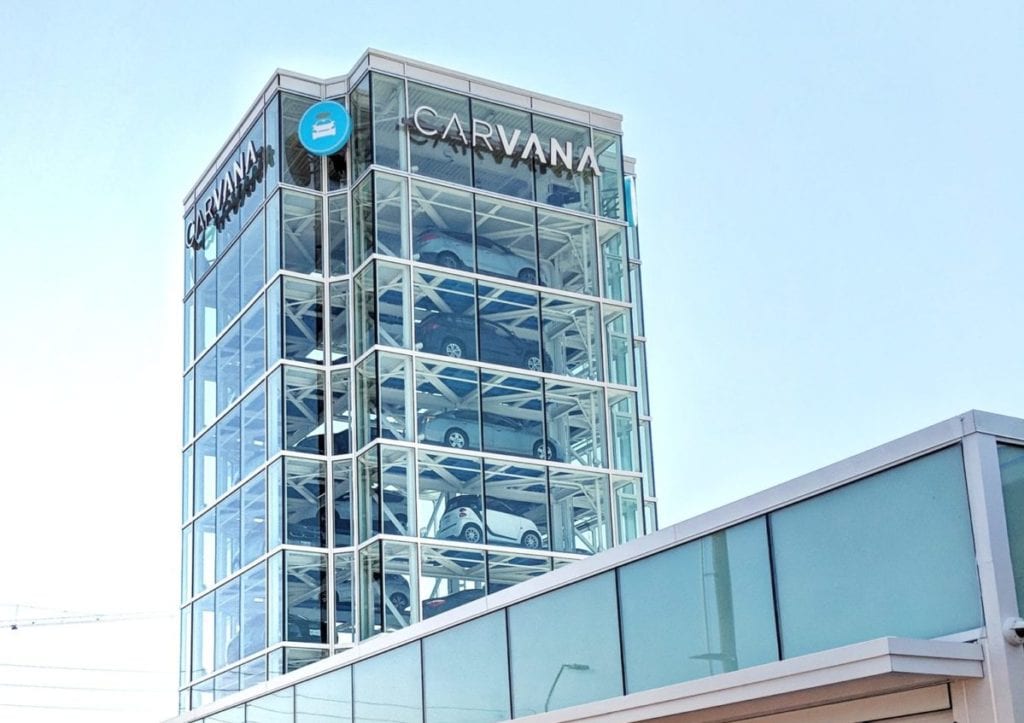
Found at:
<point>323,126</point>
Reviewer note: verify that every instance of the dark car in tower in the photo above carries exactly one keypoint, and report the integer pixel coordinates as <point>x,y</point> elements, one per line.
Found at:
<point>453,335</point>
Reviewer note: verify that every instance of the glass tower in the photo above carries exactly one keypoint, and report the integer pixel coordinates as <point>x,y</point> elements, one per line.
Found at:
<point>414,370</point>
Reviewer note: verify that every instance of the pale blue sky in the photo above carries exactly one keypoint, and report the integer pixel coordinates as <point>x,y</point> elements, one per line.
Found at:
<point>831,229</point>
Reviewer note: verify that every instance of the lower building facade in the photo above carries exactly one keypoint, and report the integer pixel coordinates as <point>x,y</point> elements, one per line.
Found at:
<point>887,586</point>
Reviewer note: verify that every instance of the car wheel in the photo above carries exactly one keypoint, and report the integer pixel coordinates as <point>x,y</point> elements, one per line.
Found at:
<point>472,533</point>
<point>544,450</point>
<point>456,438</point>
<point>453,347</point>
<point>400,600</point>
<point>449,260</point>
<point>527,276</point>
<point>531,540</point>
<point>532,362</point>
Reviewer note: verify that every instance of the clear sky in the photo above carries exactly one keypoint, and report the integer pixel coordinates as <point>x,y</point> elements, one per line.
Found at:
<point>831,230</point>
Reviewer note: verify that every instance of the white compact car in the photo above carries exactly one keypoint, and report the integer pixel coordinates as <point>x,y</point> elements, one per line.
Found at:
<point>463,520</point>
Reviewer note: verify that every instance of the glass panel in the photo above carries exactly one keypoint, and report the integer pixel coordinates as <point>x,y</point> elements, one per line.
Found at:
<point>325,699</point>
<point>342,472</point>
<point>229,450</point>
<point>337,164</point>
<point>337,230</point>
<point>188,417</point>
<point>304,490</point>
<point>479,690</point>
<point>204,564</point>
<point>387,687</point>
<point>510,328</point>
<point>567,243</point>
<point>254,430</point>
<point>445,311</point>
<point>505,570</point>
<point>620,346</point>
<point>451,577</point>
<point>447,159</point>
<point>698,609</point>
<point>559,184</point>
<point>370,613</point>
<point>184,645</point>
<point>362,127</point>
<point>625,445</point>
<point>228,624</point>
<point>206,470</point>
<point>306,597</point>
<point>341,413</point>
<point>362,221</point>
<point>298,166</point>
<point>368,477</point>
<point>891,554</point>
<point>640,363</point>
<point>637,294</point>
<point>339,323</point>
<point>575,423</point>
<point>229,286</point>
<point>202,693</point>
<point>443,480</point>
<point>273,209</point>
<point>448,404</point>
<point>393,322</point>
<point>231,715</point>
<point>400,585</point>
<point>276,707</point>
<point>229,367</point>
<point>1011,469</point>
<point>253,263</point>
<point>303,321</point>
<point>275,600</point>
<point>254,610</point>
<point>295,658</point>
<point>613,254</point>
<point>229,535</point>
<point>275,413</point>
<point>365,301</point>
<point>206,313</point>
<point>274,321</point>
<point>572,336</point>
<point>186,563</point>
<point>203,617</point>
<point>580,519</point>
<point>608,148</point>
<point>366,401</point>
<point>442,226</point>
<point>628,508</point>
<point>225,684</point>
<point>189,330</point>
<point>344,618</point>
<point>506,241</point>
<point>560,660</point>
<point>304,410</point>
<point>516,505</point>
<point>254,518</point>
<point>206,390</point>
<point>398,514</point>
<point>254,355</point>
<point>498,165</point>
<point>301,233</point>
<point>513,420</point>
<point>391,219</point>
<point>388,95</point>
<point>187,482</point>
<point>395,396</point>
<point>253,672</point>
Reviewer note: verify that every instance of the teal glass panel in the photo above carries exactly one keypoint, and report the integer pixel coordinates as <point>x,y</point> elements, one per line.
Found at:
<point>326,699</point>
<point>891,554</point>
<point>1011,469</point>
<point>231,715</point>
<point>564,647</point>
<point>472,685</point>
<point>387,687</point>
<point>276,707</point>
<point>698,609</point>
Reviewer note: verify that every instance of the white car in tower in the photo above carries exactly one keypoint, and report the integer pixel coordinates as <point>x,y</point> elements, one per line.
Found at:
<point>463,519</point>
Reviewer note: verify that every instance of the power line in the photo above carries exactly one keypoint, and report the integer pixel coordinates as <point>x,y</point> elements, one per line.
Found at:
<point>18,623</point>
<point>82,687</point>
<point>69,707</point>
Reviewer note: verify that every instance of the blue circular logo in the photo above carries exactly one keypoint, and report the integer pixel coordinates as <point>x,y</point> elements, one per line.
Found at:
<point>324,128</point>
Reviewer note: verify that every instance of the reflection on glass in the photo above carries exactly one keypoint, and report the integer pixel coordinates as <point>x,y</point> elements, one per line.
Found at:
<point>387,687</point>
<point>493,168</point>
<point>559,659</point>
<point>304,485</point>
<point>344,617</point>
<point>608,149</point>
<point>339,323</point>
<point>229,450</point>
<point>305,597</point>
<point>395,396</point>
<point>572,336</point>
<point>442,226</point>
<point>892,554</point>
<point>388,96</point>
<point>713,611</point>
<point>326,698</point>
<point>627,506</point>
<point>580,519</point>
<point>276,707</point>
<point>253,341</point>
<point>337,230</point>
<point>575,422</point>
<point>624,443</point>
<point>253,264</point>
<point>304,410</point>
<point>505,570</point>
<point>445,311</point>
<point>430,154</point>
<point>342,473</point>
<point>479,692</point>
<point>567,243</point>
<point>559,184</point>
<point>301,233</point>
<point>400,585</point>
<point>613,254</point>
<point>362,127</point>
<point>391,225</point>
<point>450,577</point>
<point>298,167</point>
<point>1011,470</point>
<point>229,535</point>
<point>303,321</point>
<point>341,413</point>
<point>228,623</point>
<point>254,518</point>
<point>393,323</point>
<point>506,241</point>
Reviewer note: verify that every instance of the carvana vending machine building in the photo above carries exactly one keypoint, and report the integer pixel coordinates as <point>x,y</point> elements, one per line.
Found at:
<point>414,362</point>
